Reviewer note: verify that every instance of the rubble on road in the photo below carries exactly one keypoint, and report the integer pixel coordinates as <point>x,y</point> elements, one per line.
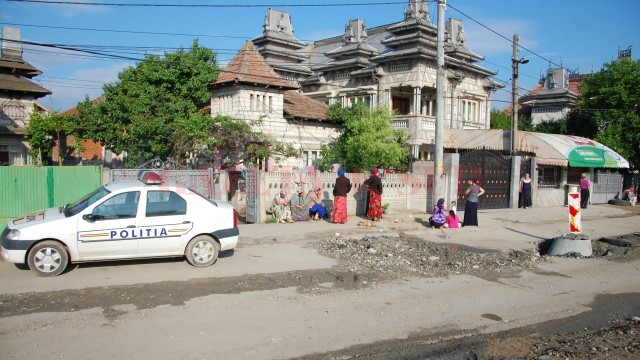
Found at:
<point>392,254</point>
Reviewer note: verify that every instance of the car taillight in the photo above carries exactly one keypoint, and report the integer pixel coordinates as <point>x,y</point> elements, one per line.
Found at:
<point>235,218</point>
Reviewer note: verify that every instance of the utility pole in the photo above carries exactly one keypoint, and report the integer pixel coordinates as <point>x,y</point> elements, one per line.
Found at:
<point>514,91</point>
<point>438,176</point>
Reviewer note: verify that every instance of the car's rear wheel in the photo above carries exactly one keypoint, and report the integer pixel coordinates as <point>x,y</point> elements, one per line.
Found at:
<point>48,258</point>
<point>202,251</point>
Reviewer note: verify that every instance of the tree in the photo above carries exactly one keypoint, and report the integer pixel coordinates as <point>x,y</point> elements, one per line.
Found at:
<point>46,132</point>
<point>149,110</point>
<point>367,140</point>
<point>552,127</point>
<point>611,101</point>
<point>158,108</point>
<point>500,120</point>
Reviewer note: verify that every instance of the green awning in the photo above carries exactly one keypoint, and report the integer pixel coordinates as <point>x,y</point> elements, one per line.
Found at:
<point>596,157</point>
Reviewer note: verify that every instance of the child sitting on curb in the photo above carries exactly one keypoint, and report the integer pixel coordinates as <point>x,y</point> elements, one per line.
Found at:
<point>453,221</point>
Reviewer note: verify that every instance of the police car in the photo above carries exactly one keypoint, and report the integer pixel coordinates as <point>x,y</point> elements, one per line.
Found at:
<point>142,218</point>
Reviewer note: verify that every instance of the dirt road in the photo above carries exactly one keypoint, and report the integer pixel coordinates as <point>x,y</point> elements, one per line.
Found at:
<point>329,297</point>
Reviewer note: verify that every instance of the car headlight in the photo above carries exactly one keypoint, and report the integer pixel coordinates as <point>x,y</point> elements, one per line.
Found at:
<point>13,235</point>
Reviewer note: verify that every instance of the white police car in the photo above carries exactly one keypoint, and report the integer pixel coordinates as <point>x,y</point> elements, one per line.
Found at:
<point>141,218</point>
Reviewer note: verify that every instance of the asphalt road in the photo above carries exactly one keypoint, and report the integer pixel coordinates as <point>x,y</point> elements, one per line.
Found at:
<point>275,297</point>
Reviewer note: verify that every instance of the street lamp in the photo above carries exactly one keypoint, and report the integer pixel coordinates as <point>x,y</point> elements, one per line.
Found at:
<point>514,82</point>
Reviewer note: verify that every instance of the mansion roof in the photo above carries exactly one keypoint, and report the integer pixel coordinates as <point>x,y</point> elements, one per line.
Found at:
<point>413,37</point>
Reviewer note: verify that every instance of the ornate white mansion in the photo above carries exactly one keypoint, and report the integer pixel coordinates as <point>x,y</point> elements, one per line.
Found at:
<point>391,65</point>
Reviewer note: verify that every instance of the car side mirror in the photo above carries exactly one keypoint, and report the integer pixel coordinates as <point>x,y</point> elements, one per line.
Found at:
<point>89,217</point>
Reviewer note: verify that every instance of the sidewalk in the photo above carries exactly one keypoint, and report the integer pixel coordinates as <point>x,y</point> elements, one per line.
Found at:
<point>500,229</point>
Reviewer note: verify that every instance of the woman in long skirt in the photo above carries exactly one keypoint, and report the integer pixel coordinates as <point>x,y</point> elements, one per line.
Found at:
<point>473,192</point>
<point>340,191</point>
<point>526,188</point>
<point>374,185</point>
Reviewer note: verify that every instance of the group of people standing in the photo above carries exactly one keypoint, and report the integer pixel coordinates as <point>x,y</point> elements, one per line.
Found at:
<point>342,187</point>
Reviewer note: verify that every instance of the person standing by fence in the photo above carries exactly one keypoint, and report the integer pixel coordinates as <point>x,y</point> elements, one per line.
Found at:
<point>585,190</point>
<point>340,191</point>
<point>374,190</point>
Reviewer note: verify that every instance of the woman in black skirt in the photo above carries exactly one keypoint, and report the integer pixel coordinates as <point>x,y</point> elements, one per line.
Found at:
<point>473,192</point>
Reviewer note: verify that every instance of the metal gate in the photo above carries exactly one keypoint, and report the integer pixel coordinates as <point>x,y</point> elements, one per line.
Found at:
<point>493,172</point>
<point>201,181</point>
<point>606,185</point>
<point>252,179</point>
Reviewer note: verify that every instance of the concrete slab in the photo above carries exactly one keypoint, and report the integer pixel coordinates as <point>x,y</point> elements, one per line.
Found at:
<point>563,245</point>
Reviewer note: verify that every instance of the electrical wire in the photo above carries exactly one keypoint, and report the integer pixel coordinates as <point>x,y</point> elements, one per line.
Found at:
<point>506,38</point>
<point>207,5</point>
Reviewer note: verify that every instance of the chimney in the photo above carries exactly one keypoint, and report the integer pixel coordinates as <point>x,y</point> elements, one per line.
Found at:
<point>11,43</point>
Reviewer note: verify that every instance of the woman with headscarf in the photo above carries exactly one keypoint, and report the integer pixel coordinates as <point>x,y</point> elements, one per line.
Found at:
<point>439,216</point>
<point>473,192</point>
<point>282,210</point>
<point>299,206</point>
<point>340,191</point>
<point>316,207</point>
<point>374,185</point>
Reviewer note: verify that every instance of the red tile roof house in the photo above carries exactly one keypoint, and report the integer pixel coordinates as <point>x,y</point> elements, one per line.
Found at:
<point>93,151</point>
<point>552,99</point>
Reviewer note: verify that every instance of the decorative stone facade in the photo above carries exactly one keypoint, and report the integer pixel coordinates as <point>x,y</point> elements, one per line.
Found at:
<point>392,65</point>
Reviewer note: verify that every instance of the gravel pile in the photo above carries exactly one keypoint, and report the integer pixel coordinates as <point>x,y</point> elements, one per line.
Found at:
<point>391,254</point>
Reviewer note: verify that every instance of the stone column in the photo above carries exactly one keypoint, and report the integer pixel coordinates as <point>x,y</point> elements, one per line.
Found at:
<point>451,163</point>
<point>417,94</point>
<point>387,98</point>
<point>515,182</point>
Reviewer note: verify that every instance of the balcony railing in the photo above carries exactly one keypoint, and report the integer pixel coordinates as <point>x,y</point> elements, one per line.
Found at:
<point>419,128</point>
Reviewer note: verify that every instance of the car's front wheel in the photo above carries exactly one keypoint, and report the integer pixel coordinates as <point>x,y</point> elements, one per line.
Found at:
<point>48,258</point>
<point>202,251</point>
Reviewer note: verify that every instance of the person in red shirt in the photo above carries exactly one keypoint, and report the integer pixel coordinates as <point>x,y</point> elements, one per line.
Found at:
<point>585,190</point>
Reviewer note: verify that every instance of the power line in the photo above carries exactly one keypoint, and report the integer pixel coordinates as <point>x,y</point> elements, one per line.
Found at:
<point>207,5</point>
<point>127,31</point>
<point>506,38</point>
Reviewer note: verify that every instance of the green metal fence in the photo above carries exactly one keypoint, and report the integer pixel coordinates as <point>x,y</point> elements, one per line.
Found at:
<point>24,189</point>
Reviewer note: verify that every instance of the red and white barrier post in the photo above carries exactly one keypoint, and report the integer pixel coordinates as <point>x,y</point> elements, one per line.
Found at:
<point>575,219</point>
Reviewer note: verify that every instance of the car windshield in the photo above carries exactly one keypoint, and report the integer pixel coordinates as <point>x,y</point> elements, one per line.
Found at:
<point>75,207</point>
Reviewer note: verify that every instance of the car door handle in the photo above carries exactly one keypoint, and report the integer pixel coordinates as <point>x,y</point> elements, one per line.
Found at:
<point>130,226</point>
<point>186,222</point>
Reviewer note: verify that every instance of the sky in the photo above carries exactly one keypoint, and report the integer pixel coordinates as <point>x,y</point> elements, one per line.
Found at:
<point>580,35</point>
